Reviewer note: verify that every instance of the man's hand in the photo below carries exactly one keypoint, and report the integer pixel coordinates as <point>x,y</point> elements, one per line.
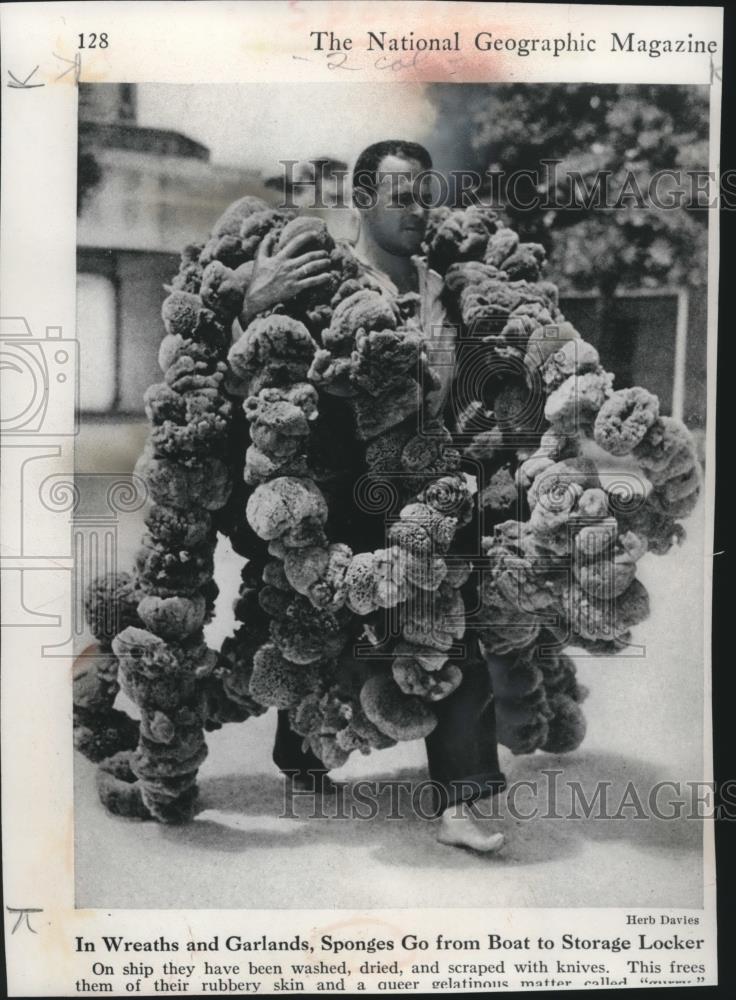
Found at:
<point>281,276</point>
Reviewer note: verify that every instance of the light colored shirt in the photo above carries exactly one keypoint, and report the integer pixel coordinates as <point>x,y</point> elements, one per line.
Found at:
<point>439,336</point>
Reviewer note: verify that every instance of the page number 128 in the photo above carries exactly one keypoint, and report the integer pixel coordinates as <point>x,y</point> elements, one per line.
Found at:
<point>93,41</point>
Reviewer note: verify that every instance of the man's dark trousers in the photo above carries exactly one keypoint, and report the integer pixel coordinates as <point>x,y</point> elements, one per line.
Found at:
<point>462,752</point>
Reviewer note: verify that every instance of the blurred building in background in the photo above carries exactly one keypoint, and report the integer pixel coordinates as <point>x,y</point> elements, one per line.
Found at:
<point>151,191</point>
<point>146,192</point>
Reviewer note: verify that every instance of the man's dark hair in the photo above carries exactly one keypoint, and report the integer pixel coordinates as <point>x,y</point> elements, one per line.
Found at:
<point>366,166</point>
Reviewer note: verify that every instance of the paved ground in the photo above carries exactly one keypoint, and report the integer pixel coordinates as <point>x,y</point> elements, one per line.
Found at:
<point>645,725</point>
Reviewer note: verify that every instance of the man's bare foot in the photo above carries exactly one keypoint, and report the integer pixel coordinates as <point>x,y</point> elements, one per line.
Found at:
<point>458,829</point>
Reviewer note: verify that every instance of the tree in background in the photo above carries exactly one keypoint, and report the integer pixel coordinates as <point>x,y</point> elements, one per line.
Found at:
<point>620,132</point>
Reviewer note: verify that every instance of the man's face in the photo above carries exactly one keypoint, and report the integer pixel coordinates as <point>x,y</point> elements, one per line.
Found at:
<point>397,221</point>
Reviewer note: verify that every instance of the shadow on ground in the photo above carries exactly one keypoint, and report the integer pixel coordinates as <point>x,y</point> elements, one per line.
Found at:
<point>555,805</point>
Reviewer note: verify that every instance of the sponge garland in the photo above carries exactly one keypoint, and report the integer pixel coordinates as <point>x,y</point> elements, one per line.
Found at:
<point>269,439</point>
<point>576,480</point>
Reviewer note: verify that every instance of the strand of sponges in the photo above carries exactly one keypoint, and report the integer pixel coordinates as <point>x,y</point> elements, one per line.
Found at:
<point>664,480</point>
<point>563,493</point>
<point>518,587</point>
<point>320,574</point>
<point>522,710</point>
<point>573,562</point>
<point>398,715</point>
<point>376,580</point>
<point>527,571</point>
<point>166,667</point>
<point>567,725</point>
<point>239,231</point>
<point>119,789</point>
<point>573,408</point>
<point>459,235</point>
<point>369,352</point>
<point>375,357</point>
<point>304,587</point>
<point>669,458</point>
<point>296,666</point>
<point>282,683</point>
<point>173,594</point>
<point>273,350</point>
<point>305,634</point>
<point>333,723</point>
<point>161,678</point>
<point>424,671</point>
<point>413,560</point>
<point>100,730</point>
<point>189,276</point>
<point>364,310</point>
<point>288,512</point>
<point>537,700</point>
<point>432,616</point>
<point>417,575</point>
<point>411,461</point>
<point>487,306</point>
<point>279,431</point>
<point>330,582</point>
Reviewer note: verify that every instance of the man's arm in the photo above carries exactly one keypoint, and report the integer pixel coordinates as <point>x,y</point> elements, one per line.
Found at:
<point>281,276</point>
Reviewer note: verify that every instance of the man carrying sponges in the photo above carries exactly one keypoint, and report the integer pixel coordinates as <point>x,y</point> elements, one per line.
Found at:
<point>462,750</point>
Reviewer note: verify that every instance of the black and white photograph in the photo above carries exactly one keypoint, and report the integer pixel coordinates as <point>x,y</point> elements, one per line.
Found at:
<point>413,407</point>
<point>359,519</point>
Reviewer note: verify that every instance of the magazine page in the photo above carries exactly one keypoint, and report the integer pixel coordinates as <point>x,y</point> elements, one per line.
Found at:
<point>358,373</point>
